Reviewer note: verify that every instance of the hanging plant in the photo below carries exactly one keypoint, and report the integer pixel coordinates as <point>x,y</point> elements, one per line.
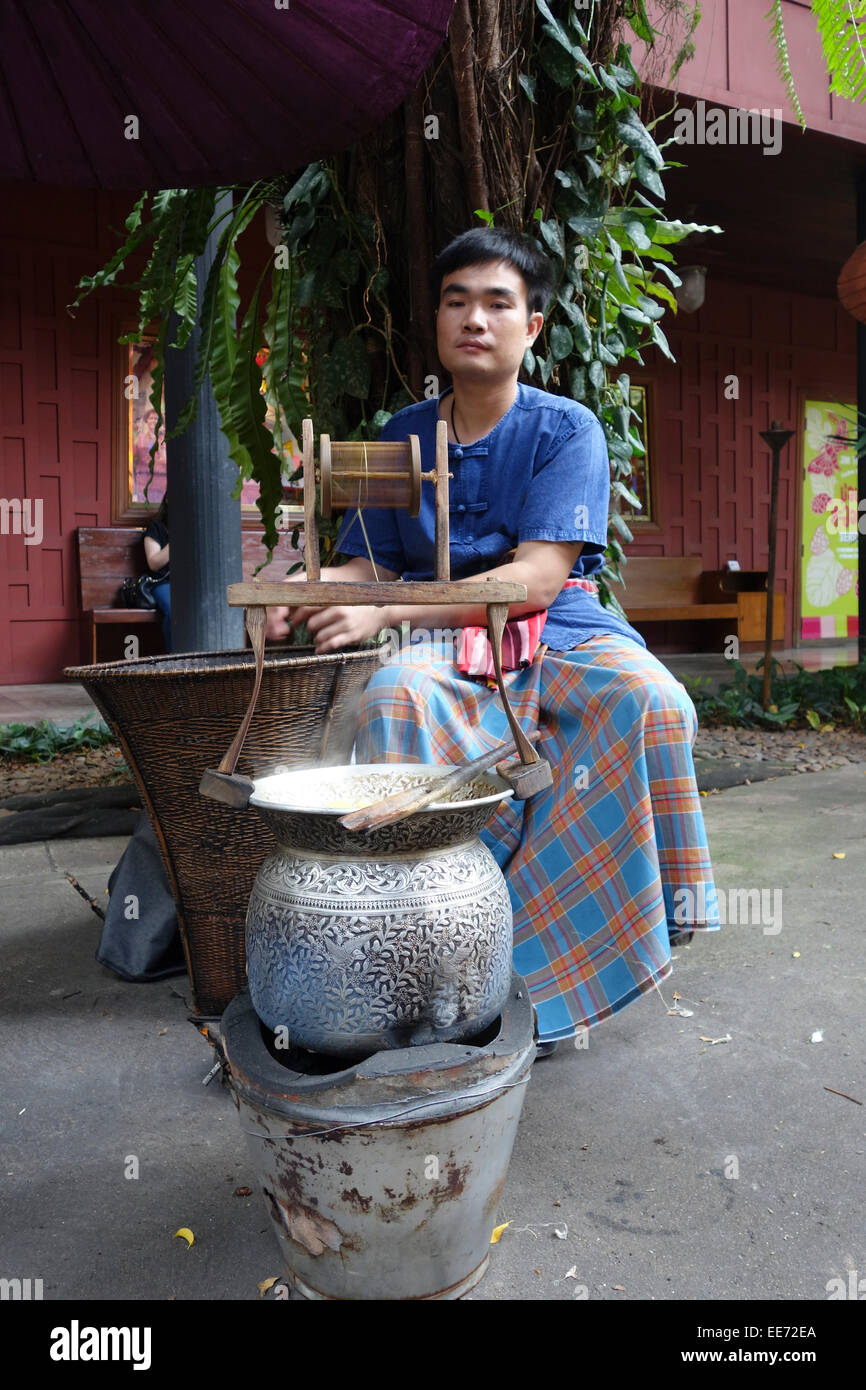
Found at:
<point>541,103</point>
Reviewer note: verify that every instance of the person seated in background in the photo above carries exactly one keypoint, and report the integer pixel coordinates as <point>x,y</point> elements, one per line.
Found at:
<point>156,554</point>
<point>598,863</point>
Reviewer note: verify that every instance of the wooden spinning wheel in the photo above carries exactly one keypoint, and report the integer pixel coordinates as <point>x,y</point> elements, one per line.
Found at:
<point>353,474</point>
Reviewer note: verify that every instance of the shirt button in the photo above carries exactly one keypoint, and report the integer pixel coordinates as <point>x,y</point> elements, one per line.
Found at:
<point>458,453</point>
<point>462,507</point>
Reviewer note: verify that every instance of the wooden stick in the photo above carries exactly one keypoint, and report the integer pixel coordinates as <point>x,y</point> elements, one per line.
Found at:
<point>843,1094</point>
<point>264,592</point>
<point>497,614</point>
<point>443,539</point>
<point>311,531</point>
<point>405,803</point>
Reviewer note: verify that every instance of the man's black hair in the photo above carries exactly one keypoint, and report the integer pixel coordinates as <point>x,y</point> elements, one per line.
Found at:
<point>480,245</point>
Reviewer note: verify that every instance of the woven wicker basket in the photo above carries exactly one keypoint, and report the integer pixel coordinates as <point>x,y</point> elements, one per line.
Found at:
<point>174,716</point>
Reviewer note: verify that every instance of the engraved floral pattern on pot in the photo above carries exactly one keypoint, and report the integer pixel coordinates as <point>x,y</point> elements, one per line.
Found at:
<point>354,954</point>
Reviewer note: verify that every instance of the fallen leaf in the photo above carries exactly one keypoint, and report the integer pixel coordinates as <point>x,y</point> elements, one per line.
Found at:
<point>619,1288</point>
<point>683,1013</point>
<point>497,1232</point>
<point>162,1032</point>
<point>267,1284</point>
<point>187,1235</point>
<point>571,1273</point>
<point>557,1204</point>
<point>840,855</point>
<point>243,1191</point>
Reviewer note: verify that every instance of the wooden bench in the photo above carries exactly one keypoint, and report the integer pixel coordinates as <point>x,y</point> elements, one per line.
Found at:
<point>666,589</point>
<point>108,554</point>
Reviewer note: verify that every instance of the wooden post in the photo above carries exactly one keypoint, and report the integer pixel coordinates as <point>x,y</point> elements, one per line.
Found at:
<point>311,531</point>
<point>776,437</point>
<point>443,539</point>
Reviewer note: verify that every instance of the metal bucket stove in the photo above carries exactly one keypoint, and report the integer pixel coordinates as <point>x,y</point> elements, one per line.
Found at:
<point>382,1177</point>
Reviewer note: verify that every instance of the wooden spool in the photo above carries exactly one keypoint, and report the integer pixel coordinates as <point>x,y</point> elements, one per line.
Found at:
<point>851,285</point>
<point>356,474</point>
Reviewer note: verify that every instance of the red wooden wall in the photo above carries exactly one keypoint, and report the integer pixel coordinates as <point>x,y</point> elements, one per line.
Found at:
<point>57,377</point>
<point>55,413</point>
<point>712,468</point>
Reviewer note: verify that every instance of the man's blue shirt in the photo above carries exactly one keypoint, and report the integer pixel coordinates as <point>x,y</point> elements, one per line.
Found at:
<point>541,474</point>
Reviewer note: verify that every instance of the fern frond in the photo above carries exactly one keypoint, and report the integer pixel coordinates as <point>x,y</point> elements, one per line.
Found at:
<point>842,30</point>
<point>783,65</point>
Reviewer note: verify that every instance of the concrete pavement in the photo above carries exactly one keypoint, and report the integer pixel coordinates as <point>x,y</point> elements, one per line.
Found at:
<point>682,1168</point>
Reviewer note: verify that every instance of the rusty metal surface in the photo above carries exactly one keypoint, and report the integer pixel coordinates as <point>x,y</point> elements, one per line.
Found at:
<point>387,1184</point>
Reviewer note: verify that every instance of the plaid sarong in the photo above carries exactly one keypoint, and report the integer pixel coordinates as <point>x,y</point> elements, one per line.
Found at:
<point>592,863</point>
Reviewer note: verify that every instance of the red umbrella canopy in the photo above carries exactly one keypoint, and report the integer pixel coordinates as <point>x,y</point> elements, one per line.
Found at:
<point>131,94</point>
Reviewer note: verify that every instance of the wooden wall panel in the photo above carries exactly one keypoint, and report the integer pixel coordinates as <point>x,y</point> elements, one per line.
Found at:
<point>713,469</point>
<point>55,381</point>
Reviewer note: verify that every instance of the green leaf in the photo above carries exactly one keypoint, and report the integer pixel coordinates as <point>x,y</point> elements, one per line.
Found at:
<point>558,64</point>
<point>580,333</point>
<point>661,340</point>
<point>675,231</point>
<point>585,226</point>
<point>527,82</point>
<point>639,20</point>
<point>546,366</point>
<point>596,374</point>
<point>348,367</point>
<point>561,343</point>
<point>529,361</point>
<point>648,176</point>
<point>553,237</point>
<point>632,131</point>
<point>634,230</point>
<point>624,383</point>
<point>253,451</point>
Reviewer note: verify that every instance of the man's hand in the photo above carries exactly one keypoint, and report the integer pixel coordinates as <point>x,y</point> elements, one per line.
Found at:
<point>334,627</point>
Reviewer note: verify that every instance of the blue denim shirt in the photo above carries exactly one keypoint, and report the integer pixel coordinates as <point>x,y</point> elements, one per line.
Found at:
<point>541,474</point>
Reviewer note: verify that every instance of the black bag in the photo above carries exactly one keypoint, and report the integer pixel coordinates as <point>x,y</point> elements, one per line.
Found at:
<point>138,593</point>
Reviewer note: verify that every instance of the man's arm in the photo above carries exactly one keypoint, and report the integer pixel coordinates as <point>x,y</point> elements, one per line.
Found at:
<point>543,566</point>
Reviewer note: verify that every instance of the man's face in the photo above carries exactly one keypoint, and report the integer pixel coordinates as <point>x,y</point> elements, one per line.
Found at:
<point>482,329</point>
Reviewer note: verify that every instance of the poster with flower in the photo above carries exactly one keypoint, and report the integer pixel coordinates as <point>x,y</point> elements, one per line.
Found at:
<point>829,585</point>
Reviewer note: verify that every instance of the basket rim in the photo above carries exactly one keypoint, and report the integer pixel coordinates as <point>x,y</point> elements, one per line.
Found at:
<point>145,665</point>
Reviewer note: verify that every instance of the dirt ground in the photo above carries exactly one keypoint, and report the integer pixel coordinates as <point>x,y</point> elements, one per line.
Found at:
<point>95,767</point>
<point>801,750</point>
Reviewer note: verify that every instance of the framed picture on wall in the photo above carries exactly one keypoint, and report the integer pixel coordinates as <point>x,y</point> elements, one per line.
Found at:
<point>642,479</point>
<point>138,488</point>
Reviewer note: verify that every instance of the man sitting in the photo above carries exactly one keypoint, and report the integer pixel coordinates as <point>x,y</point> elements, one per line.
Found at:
<point>596,864</point>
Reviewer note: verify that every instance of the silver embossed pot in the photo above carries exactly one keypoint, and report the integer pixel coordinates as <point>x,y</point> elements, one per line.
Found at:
<point>359,941</point>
